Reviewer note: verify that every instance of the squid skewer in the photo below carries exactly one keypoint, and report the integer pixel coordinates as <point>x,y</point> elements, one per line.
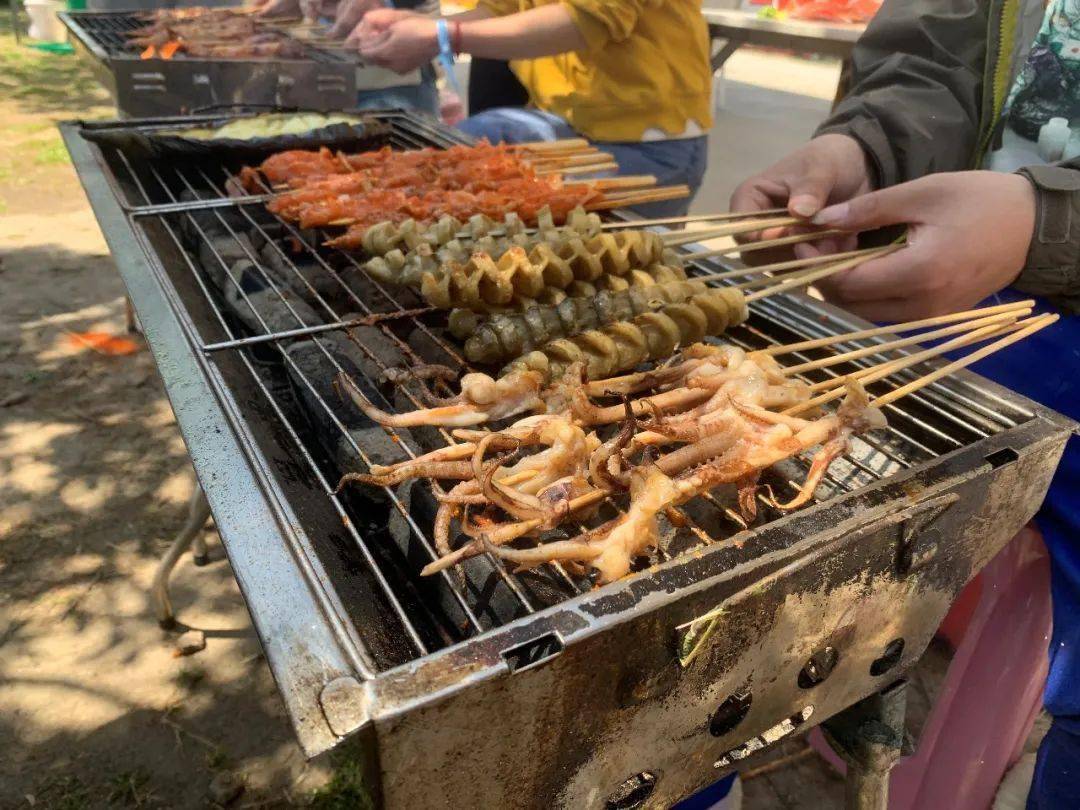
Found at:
<point>692,471</point>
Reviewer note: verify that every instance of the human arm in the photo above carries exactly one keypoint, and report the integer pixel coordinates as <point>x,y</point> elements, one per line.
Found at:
<point>1023,231</point>
<point>911,119</point>
<point>350,13</point>
<point>918,94</point>
<point>914,108</point>
<point>497,32</point>
<point>402,43</point>
<point>269,9</point>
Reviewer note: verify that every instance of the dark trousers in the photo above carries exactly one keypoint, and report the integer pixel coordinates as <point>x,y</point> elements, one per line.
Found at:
<point>1056,783</point>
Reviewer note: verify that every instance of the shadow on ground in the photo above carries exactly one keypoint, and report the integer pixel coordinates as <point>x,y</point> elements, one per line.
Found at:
<point>96,709</point>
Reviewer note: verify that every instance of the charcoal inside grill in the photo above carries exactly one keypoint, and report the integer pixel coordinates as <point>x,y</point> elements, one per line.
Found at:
<point>314,365</point>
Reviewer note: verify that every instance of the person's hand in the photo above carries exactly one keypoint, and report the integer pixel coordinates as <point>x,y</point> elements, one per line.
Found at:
<point>829,169</point>
<point>400,43</point>
<point>313,10</point>
<point>277,8</point>
<point>968,237</point>
<point>350,13</point>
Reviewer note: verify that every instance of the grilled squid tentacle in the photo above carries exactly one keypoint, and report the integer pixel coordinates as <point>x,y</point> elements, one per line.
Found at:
<point>560,550</point>
<point>829,452</point>
<point>439,470</point>
<point>482,399</point>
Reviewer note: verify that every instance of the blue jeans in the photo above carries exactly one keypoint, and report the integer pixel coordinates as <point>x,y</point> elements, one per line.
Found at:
<point>674,161</point>
<point>1056,782</point>
<point>707,797</point>
<point>421,97</point>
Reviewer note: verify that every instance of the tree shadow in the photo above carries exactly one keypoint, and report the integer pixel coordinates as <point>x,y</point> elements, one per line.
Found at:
<point>95,710</point>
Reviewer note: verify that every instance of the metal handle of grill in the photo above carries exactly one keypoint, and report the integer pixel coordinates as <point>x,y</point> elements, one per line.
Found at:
<point>242,106</point>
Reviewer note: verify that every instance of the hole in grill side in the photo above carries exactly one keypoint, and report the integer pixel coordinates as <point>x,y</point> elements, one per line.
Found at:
<point>890,657</point>
<point>999,458</point>
<point>731,712</point>
<point>532,653</point>
<point>819,667</point>
<point>632,793</point>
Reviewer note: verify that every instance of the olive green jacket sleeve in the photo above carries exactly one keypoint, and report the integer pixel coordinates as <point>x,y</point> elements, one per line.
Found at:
<point>920,103</point>
<point>917,89</point>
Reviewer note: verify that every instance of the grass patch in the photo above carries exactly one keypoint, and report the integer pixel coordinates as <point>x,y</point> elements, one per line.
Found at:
<point>44,82</point>
<point>189,678</point>
<point>344,791</point>
<point>63,793</point>
<point>52,154</point>
<point>129,789</point>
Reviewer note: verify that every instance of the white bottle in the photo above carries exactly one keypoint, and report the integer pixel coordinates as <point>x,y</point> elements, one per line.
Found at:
<point>1053,137</point>
<point>1072,148</point>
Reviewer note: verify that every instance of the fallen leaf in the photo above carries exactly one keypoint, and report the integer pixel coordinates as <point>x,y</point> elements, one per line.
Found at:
<point>103,343</point>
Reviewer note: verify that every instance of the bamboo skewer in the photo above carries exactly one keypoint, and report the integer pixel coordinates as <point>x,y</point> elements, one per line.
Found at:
<point>609,166</point>
<point>571,160</point>
<point>897,328</point>
<point>1032,326</point>
<point>763,244</point>
<point>746,226</point>
<point>639,197</point>
<point>875,373</point>
<point>646,223</point>
<point>791,280</point>
<point>900,343</point>
<point>618,195</point>
<point>552,146</point>
<point>802,279</point>
<point>790,264</point>
<point>624,181</point>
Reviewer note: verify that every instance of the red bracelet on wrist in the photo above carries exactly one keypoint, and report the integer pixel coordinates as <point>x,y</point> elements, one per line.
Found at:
<point>455,37</point>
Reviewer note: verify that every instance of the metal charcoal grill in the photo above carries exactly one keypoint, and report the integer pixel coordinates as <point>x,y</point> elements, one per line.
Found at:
<point>490,688</point>
<point>322,80</point>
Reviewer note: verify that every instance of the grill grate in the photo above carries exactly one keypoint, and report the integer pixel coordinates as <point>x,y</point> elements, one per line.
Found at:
<point>288,284</point>
<point>110,30</point>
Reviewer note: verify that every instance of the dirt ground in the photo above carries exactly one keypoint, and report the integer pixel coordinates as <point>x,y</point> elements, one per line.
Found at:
<point>95,708</point>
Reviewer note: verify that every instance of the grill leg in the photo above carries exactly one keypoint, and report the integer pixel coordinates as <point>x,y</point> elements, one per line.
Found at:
<point>191,533</point>
<point>131,323</point>
<point>870,737</point>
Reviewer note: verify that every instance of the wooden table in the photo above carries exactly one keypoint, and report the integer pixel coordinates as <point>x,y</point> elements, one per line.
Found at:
<point>738,28</point>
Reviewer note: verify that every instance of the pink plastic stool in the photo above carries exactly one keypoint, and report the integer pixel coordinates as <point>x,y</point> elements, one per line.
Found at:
<point>1000,627</point>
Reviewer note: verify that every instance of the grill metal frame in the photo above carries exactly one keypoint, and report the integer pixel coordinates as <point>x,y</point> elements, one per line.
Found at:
<point>897,549</point>
<point>149,87</point>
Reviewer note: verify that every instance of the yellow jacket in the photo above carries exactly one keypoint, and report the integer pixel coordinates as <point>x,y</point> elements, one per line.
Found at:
<point>646,67</point>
